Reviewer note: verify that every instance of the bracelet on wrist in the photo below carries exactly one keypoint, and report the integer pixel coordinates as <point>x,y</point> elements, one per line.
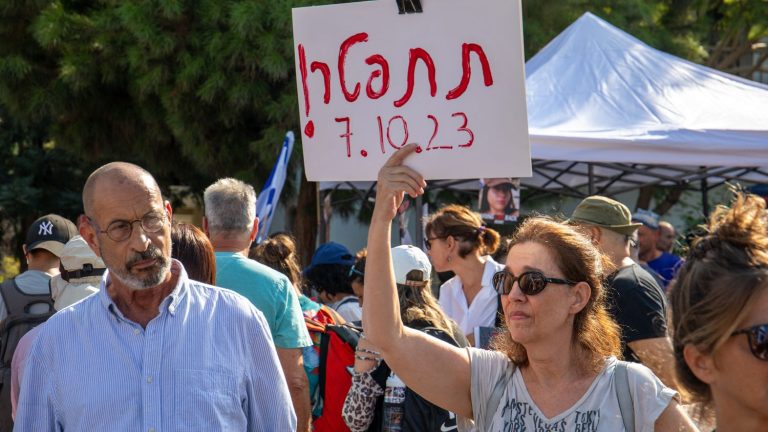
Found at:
<point>367,351</point>
<point>362,357</point>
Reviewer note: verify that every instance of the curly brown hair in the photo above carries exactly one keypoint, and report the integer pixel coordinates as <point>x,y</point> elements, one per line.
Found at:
<point>595,331</point>
<point>727,267</point>
<point>279,253</point>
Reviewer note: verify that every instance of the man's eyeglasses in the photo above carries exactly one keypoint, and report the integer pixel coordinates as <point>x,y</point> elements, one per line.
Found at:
<point>428,242</point>
<point>758,340</point>
<point>530,282</point>
<point>121,230</point>
<point>632,242</point>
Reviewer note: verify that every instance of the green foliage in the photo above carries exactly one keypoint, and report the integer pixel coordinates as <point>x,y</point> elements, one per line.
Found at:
<point>36,178</point>
<point>657,23</point>
<point>190,90</point>
<point>196,90</point>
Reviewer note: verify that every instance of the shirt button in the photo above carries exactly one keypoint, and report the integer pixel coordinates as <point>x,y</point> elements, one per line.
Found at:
<point>149,379</point>
<point>136,331</point>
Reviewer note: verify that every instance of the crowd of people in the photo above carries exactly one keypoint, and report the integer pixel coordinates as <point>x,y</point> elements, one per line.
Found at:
<point>129,320</point>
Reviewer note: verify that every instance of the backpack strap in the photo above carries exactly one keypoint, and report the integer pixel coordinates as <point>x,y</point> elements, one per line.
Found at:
<point>440,334</point>
<point>621,381</point>
<point>348,299</point>
<point>495,399</point>
<point>18,302</point>
<point>6,290</point>
<point>332,315</point>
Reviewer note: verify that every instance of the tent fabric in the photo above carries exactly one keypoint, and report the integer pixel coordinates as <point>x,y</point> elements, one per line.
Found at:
<point>598,94</point>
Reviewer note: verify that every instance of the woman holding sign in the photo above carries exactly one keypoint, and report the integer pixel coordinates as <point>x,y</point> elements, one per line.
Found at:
<point>556,367</point>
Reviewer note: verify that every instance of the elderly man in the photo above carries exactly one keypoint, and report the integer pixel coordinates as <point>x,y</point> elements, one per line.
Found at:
<point>635,300</point>
<point>153,350</point>
<point>667,236</point>
<point>231,224</point>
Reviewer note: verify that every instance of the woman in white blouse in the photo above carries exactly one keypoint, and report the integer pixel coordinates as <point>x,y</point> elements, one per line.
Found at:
<point>556,367</point>
<point>457,241</point>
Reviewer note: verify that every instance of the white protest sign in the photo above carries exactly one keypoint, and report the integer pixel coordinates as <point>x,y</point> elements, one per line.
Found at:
<point>450,79</point>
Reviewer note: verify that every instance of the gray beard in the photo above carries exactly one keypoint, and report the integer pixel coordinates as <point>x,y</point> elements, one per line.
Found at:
<point>152,277</point>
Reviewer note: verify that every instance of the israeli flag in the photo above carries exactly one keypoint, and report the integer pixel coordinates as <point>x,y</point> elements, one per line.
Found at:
<point>267,200</point>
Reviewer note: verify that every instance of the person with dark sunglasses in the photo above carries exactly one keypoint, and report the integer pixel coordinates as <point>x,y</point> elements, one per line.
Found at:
<point>720,317</point>
<point>457,241</point>
<point>554,366</point>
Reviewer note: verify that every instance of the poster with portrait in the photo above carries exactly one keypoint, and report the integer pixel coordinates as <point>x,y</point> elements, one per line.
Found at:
<point>499,200</point>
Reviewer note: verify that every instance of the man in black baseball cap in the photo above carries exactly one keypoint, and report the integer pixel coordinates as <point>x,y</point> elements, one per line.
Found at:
<point>44,243</point>
<point>25,301</point>
<point>50,232</point>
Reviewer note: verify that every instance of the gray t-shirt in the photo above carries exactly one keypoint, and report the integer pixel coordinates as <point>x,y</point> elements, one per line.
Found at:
<point>30,282</point>
<point>597,410</point>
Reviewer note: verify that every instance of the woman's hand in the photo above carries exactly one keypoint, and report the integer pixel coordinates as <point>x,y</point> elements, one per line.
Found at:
<point>394,181</point>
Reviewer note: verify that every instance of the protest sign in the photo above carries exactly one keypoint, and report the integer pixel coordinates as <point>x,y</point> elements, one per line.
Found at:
<point>450,79</point>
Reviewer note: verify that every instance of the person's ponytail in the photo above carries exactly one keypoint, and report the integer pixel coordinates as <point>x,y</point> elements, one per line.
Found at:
<point>489,240</point>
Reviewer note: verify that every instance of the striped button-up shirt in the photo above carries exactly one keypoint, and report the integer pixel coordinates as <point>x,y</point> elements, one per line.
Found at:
<point>206,362</point>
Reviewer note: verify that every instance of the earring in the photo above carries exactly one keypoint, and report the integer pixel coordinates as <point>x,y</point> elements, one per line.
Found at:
<point>449,258</point>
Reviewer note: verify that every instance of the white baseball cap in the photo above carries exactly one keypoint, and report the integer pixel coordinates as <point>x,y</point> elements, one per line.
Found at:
<point>406,258</point>
<point>83,269</point>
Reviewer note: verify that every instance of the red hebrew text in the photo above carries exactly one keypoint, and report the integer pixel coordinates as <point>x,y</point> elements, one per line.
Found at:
<point>418,54</point>
<point>360,37</point>
<point>466,69</point>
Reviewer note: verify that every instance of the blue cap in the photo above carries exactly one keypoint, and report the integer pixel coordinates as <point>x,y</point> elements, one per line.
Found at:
<point>647,218</point>
<point>331,253</point>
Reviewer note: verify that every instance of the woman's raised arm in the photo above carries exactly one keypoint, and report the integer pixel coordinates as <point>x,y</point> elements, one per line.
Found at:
<point>437,371</point>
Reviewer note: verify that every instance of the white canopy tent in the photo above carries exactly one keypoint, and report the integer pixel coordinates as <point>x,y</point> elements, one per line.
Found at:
<point>608,113</point>
<point>600,100</point>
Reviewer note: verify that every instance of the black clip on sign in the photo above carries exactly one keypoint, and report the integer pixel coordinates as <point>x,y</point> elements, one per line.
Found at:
<point>409,6</point>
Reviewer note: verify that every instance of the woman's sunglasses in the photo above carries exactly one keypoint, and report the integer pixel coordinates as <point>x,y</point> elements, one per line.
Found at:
<point>428,242</point>
<point>530,282</point>
<point>758,340</point>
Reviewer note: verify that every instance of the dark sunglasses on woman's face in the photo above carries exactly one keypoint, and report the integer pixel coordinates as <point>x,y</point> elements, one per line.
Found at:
<point>530,282</point>
<point>758,340</point>
<point>428,242</point>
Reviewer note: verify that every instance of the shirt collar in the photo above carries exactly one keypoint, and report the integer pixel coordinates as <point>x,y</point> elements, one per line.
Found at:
<point>491,267</point>
<point>227,253</point>
<point>171,302</point>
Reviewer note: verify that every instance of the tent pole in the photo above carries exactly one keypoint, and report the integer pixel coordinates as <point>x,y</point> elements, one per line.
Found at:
<point>704,197</point>
<point>319,212</point>
<point>418,239</point>
<point>591,171</point>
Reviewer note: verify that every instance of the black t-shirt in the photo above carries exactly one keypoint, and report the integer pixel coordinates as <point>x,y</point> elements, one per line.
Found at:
<point>638,304</point>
